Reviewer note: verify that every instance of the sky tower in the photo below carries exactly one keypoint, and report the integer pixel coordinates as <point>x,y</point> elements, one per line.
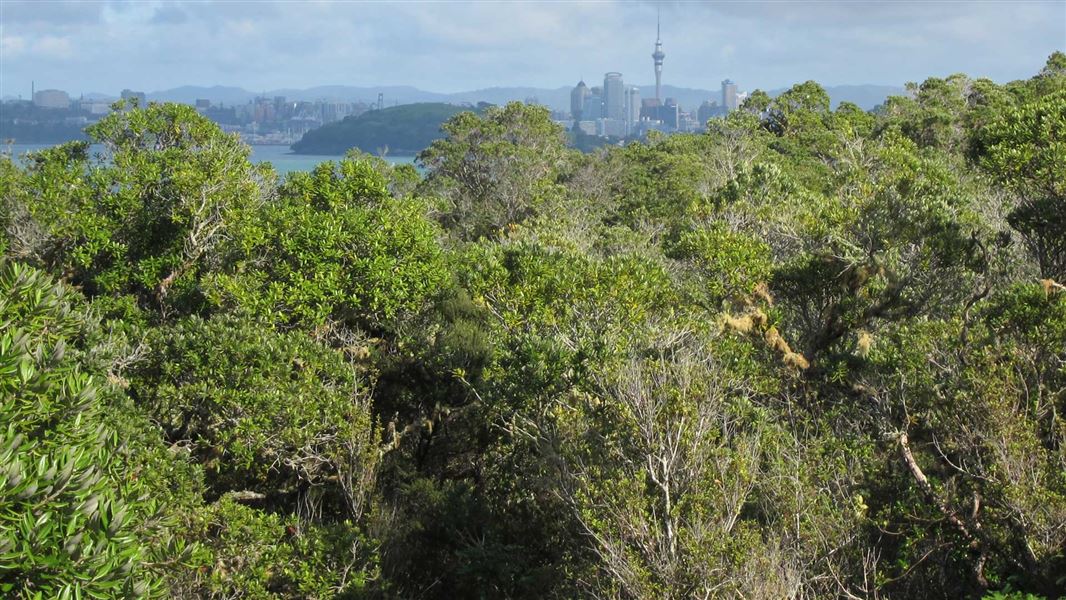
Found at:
<point>658,57</point>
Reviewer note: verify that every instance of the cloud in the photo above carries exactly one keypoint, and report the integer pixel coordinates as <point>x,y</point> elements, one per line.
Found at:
<point>52,47</point>
<point>11,46</point>
<point>169,15</point>
<point>156,44</point>
<point>50,14</point>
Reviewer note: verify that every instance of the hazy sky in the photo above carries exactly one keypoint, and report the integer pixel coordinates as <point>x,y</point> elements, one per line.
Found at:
<point>452,46</point>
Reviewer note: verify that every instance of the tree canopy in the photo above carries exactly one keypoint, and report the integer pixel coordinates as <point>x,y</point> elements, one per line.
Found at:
<point>807,353</point>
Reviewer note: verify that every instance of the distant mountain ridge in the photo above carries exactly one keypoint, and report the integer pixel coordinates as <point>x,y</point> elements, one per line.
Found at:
<point>865,96</point>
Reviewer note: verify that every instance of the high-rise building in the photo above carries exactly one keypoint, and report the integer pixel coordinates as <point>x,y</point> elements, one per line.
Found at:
<point>614,96</point>
<point>729,95</point>
<point>649,109</point>
<point>51,99</point>
<point>670,113</point>
<point>658,57</point>
<point>593,104</point>
<point>632,106</point>
<point>578,96</point>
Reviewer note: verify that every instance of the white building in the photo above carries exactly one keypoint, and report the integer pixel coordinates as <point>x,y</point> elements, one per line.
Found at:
<point>729,95</point>
<point>632,107</point>
<point>51,99</point>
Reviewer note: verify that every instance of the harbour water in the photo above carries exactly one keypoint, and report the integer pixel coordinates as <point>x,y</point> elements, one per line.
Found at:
<point>283,160</point>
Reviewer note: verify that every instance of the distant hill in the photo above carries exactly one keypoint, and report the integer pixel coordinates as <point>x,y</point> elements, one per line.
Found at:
<point>188,94</point>
<point>553,98</point>
<point>400,130</point>
<point>393,94</point>
<point>865,96</point>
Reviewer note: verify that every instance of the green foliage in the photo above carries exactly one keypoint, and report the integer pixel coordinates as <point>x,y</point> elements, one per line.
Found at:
<point>73,524</point>
<point>797,107</point>
<point>903,243</point>
<point>495,169</point>
<point>808,353</point>
<point>10,185</point>
<point>726,264</point>
<point>261,555</point>
<point>1026,151</point>
<point>660,461</point>
<point>757,102</point>
<point>334,247</point>
<point>139,226</point>
<point>991,440</point>
<point>262,411</point>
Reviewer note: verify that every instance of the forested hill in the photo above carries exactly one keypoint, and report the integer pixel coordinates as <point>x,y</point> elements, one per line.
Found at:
<point>810,353</point>
<point>405,129</point>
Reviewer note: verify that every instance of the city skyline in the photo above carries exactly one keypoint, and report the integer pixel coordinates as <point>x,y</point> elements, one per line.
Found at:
<point>102,47</point>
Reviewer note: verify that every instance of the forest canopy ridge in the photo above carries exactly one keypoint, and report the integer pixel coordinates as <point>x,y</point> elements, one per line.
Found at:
<point>807,353</point>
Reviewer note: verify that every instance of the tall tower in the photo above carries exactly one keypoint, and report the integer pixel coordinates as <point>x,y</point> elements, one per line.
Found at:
<point>614,99</point>
<point>658,57</point>
<point>729,95</point>
<point>578,96</point>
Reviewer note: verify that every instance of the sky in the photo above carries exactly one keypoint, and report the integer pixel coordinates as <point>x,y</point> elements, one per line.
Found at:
<point>105,46</point>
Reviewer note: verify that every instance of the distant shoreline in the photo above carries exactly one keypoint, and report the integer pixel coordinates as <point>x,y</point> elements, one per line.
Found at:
<point>411,155</point>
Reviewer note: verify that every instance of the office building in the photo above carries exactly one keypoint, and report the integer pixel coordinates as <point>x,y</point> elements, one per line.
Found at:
<point>614,97</point>
<point>593,105</point>
<point>51,99</point>
<point>729,95</point>
<point>578,96</point>
<point>632,106</point>
<point>670,113</point>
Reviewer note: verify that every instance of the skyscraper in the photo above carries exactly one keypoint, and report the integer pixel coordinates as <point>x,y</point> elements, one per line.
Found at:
<point>593,104</point>
<point>729,95</point>
<point>632,106</point>
<point>614,99</point>
<point>578,96</point>
<point>658,57</point>
<point>670,113</point>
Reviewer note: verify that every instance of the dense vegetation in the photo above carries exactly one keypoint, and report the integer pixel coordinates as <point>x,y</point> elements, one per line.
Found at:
<point>810,353</point>
<point>406,129</point>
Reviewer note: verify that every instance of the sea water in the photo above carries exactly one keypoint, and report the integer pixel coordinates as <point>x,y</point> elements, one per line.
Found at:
<point>281,157</point>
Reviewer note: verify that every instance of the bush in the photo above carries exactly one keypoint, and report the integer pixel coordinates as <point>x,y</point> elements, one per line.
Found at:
<point>73,522</point>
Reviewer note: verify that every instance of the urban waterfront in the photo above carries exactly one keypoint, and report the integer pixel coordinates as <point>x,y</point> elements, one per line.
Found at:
<point>283,160</point>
